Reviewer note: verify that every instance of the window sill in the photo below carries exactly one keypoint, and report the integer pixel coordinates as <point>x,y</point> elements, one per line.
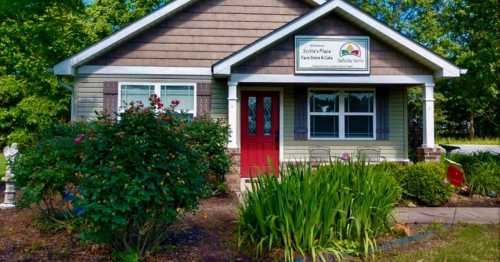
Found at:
<point>341,139</point>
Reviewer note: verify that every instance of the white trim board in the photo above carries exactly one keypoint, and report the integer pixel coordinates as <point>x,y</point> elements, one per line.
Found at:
<point>144,70</point>
<point>313,79</point>
<point>67,67</point>
<point>441,66</point>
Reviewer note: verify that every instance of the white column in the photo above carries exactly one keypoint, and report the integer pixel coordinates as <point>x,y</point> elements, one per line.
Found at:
<point>232,113</point>
<point>428,114</point>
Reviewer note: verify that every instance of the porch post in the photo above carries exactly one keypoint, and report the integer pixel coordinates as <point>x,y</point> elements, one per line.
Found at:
<point>428,113</point>
<point>232,114</point>
<point>428,151</point>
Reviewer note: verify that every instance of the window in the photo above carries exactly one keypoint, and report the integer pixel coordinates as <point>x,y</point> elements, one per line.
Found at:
<point>340,114</point>
<point>182,93</point>
<point>324,114</point>
<point>168,92</point>
<point>358,114</point>
<point>135,93</point>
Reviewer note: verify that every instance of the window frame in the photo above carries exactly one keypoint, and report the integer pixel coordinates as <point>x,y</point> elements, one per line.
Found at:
<point>341,114</point>
<point>157,91</point>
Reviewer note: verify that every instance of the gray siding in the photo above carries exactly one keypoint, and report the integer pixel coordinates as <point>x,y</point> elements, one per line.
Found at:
<point>89,92</point>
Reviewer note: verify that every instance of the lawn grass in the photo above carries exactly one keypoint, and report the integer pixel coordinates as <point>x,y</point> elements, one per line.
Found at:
<point>467,141</point>
<point>461,243</point>
<point>3,165</point>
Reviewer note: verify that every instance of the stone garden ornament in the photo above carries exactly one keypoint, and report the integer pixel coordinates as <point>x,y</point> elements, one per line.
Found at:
<point>10,190</point>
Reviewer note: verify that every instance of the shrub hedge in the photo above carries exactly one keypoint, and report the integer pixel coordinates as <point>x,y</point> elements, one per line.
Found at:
<point>424,182</point>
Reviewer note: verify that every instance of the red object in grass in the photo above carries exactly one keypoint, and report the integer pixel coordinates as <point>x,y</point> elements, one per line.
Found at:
<point>455,175</point>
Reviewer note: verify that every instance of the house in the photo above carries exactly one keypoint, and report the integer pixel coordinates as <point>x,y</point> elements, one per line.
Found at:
<point>288,76</point>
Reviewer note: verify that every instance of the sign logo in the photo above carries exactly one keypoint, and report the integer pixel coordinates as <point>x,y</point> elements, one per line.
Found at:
<point>350,48</point>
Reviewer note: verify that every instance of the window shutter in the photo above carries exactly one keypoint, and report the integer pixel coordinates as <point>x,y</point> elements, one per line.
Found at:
<point>203,99</point>
<point>300,117</point>
<point>382,115</point>
<point>110,101</point>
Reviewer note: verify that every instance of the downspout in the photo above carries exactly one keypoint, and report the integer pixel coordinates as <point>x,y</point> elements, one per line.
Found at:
<point>72,101</point>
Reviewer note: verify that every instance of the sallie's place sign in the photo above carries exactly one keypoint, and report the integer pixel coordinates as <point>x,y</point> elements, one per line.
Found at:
<point>332,54</point>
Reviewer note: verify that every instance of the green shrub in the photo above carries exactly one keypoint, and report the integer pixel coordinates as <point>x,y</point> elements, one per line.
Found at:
<point>426,182</point>
<point>209,138</point>
<point>337,208</point>
<point>129,178</point>
<point>137,175</point>
<point>484,178</point>
<point>482,171</point>
<point>395,169</point>
<point>43,171</point>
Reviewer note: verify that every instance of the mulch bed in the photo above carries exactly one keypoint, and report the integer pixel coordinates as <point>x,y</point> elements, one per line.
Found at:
<point>457,200</point>
<point>206,235</point>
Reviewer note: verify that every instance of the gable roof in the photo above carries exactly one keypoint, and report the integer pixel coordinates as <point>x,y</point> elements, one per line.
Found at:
<point>441,66</point>
<point>67,67</point>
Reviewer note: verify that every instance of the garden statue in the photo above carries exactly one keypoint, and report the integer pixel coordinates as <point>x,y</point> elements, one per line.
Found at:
<point>10,191</point>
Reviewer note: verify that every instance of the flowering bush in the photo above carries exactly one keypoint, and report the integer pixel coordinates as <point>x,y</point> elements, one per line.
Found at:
<point>137,174</point>
<point>129,177</point>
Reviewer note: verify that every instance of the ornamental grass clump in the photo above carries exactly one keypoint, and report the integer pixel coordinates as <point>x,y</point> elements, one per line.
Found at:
<point>339,208</point>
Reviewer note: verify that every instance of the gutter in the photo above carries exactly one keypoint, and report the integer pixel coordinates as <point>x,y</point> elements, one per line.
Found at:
<point>71,89</point>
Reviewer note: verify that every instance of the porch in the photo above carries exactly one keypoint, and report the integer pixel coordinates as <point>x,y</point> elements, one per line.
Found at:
<point>386,137</point>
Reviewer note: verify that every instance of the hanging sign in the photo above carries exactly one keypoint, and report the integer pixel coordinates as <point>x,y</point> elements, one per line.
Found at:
<point>332,54</point>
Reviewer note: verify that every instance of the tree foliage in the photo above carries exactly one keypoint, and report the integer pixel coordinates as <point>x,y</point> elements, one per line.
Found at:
<point>466,32</point>
<point>36,34</point>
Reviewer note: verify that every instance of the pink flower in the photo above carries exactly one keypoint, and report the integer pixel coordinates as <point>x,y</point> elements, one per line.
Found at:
<point>160,105</point>
<point>345,157</point>
<point>78,140</point>
<point>175,102</point>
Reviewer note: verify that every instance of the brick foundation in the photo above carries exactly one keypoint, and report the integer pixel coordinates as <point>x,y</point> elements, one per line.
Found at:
<point>428,154</point>
<point>233,176</point>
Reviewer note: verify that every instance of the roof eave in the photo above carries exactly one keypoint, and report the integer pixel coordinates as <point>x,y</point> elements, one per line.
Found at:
<point>441,67</point>
<point>68,66</point>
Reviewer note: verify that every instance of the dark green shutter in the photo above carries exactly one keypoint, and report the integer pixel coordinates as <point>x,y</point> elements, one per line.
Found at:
<point>300,116</point>
<point>382,115</point>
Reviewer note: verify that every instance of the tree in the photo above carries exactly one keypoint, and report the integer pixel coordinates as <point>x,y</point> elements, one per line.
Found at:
<point>467,33</point>
<point>34,36</point>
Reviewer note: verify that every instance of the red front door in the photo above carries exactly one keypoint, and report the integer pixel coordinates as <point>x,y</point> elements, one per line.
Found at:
<point>259,133</point>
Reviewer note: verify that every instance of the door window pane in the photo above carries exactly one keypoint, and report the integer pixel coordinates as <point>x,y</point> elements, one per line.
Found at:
<point>359,102</point>
<point>135,94</point>
<point>268,108</point>
<point>184,94</point>
<point>324,126</point>
<point>252,115</point>
<point>324,101</point>
<point>359,126</point>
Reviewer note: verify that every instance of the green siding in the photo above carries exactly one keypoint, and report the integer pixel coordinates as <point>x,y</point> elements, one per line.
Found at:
<point>395,148</point>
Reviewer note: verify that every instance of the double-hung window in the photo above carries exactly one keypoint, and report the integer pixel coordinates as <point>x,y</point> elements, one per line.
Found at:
<point>184,93</point>
<point>341,114</point>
